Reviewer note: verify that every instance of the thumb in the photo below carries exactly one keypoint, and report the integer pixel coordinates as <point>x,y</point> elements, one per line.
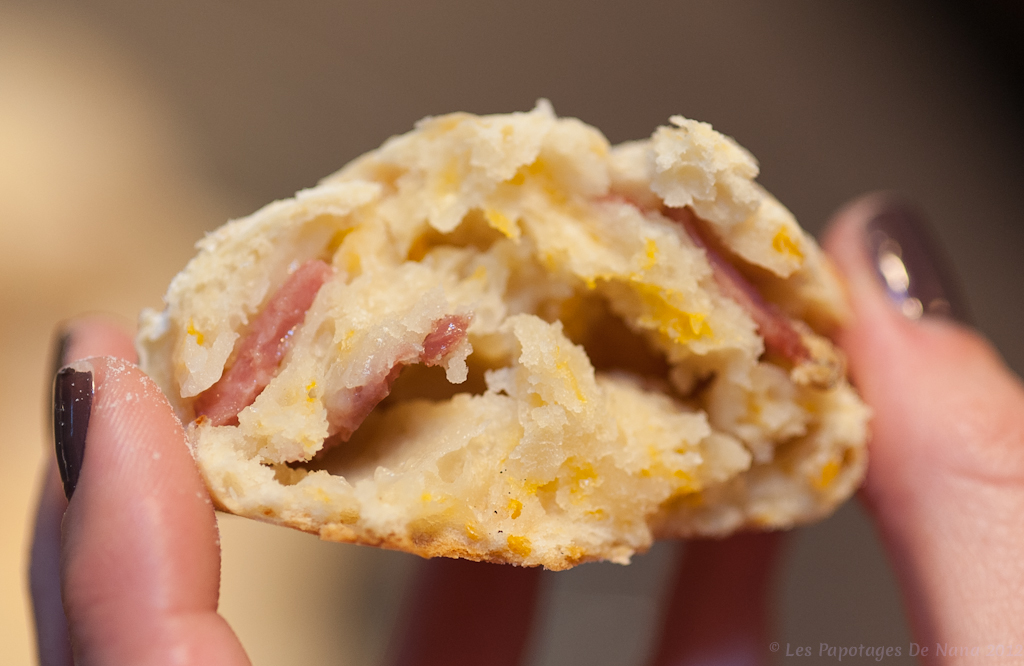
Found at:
<point>140,563</point>
<point>945,481</point>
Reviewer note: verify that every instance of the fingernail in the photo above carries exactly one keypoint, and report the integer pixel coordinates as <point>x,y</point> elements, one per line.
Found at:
<point>913,269</point>
<point>72,405</point>
<point>60,346</point>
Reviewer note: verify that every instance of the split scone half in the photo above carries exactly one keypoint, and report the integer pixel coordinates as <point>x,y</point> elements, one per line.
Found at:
<point>500,338</point>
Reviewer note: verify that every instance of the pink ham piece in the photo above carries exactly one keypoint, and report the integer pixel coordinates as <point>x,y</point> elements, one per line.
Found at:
<point>778,332</point>
<point>816,361</point>
<point>447,333</point>
<point>262,348</point>
<point>347,408</point>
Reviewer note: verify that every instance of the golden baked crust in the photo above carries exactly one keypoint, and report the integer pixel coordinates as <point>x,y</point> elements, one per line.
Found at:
<point>575,339</point>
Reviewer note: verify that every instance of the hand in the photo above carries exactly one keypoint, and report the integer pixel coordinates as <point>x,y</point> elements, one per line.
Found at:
<point>139,559</point>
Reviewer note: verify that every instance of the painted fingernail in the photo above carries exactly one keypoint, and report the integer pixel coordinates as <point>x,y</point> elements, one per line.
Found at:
<point>912,267</point>
<point>72,405</point>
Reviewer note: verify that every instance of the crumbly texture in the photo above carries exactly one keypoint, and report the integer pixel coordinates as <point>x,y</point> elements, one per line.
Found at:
<point>606,392</point>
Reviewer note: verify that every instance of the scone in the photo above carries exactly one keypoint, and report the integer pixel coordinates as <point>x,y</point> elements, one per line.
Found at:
<point>500,338</point>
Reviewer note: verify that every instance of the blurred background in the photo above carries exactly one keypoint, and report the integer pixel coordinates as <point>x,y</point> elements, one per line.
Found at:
<point>127,129</point>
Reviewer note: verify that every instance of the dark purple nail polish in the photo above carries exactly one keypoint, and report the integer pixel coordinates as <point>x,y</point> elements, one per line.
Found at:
<point>72,404</point>
<point>912,267</point>
<point>60,346</point>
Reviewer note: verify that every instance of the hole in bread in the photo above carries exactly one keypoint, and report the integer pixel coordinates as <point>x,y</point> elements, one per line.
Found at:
<point>473,231</point>
<point>611,345</point>
<point>287,476</point>
<point>424,382</point>
<point>546,494</point>
<point>366,449</point>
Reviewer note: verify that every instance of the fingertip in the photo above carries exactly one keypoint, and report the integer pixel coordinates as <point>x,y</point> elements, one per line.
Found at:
<point>904,297</point>
<point>135,453</point>
<point>888,250</point>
